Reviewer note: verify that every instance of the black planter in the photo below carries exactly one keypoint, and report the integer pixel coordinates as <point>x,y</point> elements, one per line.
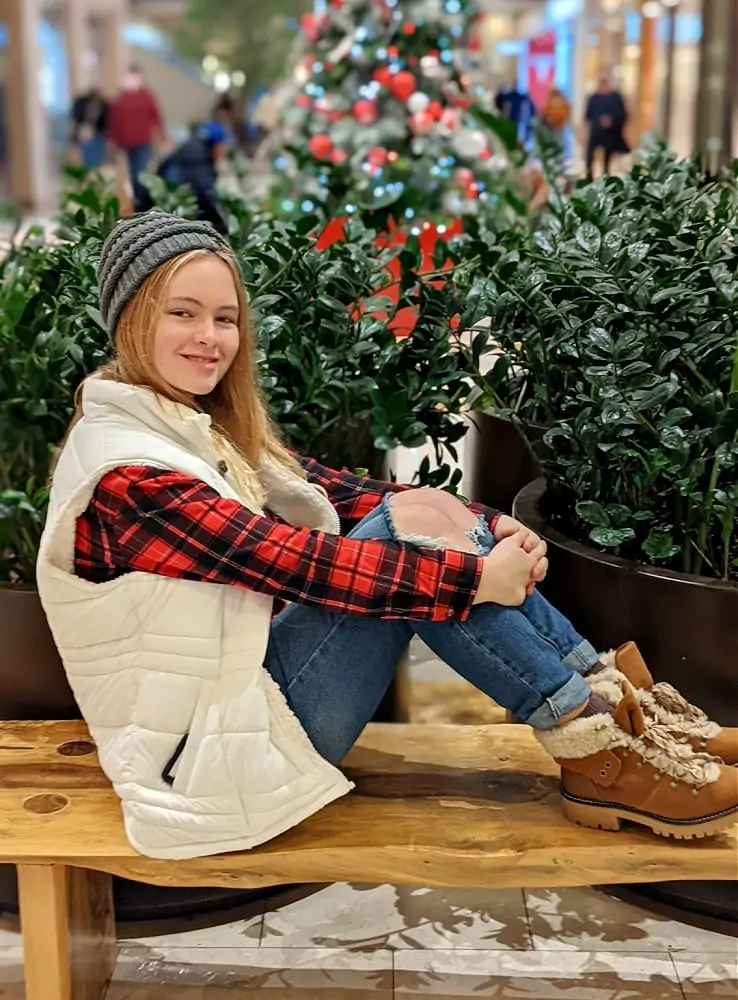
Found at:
<point>501,459</point>
<point>687,629</point>
<point>33,684</point>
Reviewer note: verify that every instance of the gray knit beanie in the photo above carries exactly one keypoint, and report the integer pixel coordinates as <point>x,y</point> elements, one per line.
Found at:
<point>134,250</point>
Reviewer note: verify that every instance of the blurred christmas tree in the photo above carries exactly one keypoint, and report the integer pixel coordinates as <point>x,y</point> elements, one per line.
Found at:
<point>385,117</point>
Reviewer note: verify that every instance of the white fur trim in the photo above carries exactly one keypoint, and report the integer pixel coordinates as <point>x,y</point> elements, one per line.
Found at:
<point>608,684</point>
<point>585,737</point>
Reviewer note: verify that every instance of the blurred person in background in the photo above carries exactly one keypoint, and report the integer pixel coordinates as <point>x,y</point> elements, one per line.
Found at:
<point>89,127</point>
<point>556,112</point>
<point>605,120</point>
<point>135,126</point>
<point>194,162</point>
<point>518,107</point>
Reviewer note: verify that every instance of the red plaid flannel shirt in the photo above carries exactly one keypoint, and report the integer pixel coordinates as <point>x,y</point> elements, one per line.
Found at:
<point>163,522</point>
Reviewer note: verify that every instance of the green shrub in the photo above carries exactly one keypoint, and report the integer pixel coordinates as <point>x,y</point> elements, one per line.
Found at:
<point>618,329</point>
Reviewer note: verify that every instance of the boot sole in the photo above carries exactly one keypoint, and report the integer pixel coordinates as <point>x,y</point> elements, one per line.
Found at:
<point>601,816</point>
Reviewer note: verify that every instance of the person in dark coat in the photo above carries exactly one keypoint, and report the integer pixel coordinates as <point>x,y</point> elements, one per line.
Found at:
<point>606,117</point>
<point>194,163</point>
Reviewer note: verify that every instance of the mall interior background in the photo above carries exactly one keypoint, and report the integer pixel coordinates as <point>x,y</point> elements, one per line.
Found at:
<point>51,49</point>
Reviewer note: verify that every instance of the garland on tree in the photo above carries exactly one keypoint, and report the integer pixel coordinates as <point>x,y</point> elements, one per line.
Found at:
<point>384,118</point>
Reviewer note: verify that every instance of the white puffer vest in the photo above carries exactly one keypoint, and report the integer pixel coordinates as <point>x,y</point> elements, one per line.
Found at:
<point>152,660</point>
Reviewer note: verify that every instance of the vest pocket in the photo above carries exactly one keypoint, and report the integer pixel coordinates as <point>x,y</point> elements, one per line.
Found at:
<point>169,773</point>
<point>184,771</point>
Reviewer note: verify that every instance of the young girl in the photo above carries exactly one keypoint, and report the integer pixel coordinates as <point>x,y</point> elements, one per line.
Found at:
<point>177,521</point>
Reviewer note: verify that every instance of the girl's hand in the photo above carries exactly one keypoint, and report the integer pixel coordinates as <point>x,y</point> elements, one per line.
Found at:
<point>506,527</point>
<point>537,575</point>
<point>508,571</point>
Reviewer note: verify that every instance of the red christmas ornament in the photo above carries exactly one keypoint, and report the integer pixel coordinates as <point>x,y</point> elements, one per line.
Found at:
<point>421,123</point>
<point>464,177</point>
<point>320,146</point>
<point>402,85</point>
<point>412,60</point>
<point>435,110</point>
<point>311,26</point>
<point>365,112</point>
<point>448,120</point>
<point>303,101</point>
<point>383,76</point>
<point>392,51</point>
<point>409,28</point>
<point>339,156</point>
<point>377,156</point>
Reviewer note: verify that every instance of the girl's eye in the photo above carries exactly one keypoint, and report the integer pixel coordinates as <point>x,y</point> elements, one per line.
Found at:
<point>226,319</point>
<point>181,313</point>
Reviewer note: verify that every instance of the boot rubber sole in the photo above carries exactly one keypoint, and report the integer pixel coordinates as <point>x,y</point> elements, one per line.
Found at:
<point>605,816</point>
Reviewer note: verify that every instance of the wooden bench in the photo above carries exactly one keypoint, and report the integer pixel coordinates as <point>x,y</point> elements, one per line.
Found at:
<point>435,805</point>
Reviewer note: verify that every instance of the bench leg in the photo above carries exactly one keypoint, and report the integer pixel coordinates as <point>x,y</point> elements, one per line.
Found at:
<point>68,927</point>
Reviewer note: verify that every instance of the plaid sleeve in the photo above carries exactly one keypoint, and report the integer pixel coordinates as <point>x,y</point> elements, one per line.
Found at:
<point>356,496</point>
<point>490,514</point>
<point>166,523</point>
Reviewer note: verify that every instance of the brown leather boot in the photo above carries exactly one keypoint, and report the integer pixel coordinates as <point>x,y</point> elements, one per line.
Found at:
<point>625,767</point>
<point>665,705</point>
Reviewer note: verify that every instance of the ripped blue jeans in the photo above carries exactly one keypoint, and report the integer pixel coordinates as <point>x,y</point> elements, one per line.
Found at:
<point>334,668</point>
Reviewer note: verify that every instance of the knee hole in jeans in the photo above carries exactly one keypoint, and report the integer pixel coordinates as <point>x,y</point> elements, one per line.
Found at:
<point>423,524</point>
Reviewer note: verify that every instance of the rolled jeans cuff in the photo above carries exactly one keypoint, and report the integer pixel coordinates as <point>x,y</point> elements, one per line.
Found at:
<point>582,658</point>
<point>572,695</point>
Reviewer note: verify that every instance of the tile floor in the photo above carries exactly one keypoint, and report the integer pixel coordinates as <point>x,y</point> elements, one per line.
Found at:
<point>353,942</point>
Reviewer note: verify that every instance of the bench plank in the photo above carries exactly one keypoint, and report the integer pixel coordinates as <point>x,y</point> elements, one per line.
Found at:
<point>435,805</point>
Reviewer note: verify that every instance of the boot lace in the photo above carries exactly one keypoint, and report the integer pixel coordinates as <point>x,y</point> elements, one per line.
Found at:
<point>658,747</point>
<point>674,701</point>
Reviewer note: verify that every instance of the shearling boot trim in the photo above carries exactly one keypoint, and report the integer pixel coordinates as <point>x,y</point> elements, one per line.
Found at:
<point>608,683</point>
<point>585,737</point>
<point>663,703</point>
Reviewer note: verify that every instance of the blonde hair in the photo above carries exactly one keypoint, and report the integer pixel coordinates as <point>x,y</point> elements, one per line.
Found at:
<point>243,432</point>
